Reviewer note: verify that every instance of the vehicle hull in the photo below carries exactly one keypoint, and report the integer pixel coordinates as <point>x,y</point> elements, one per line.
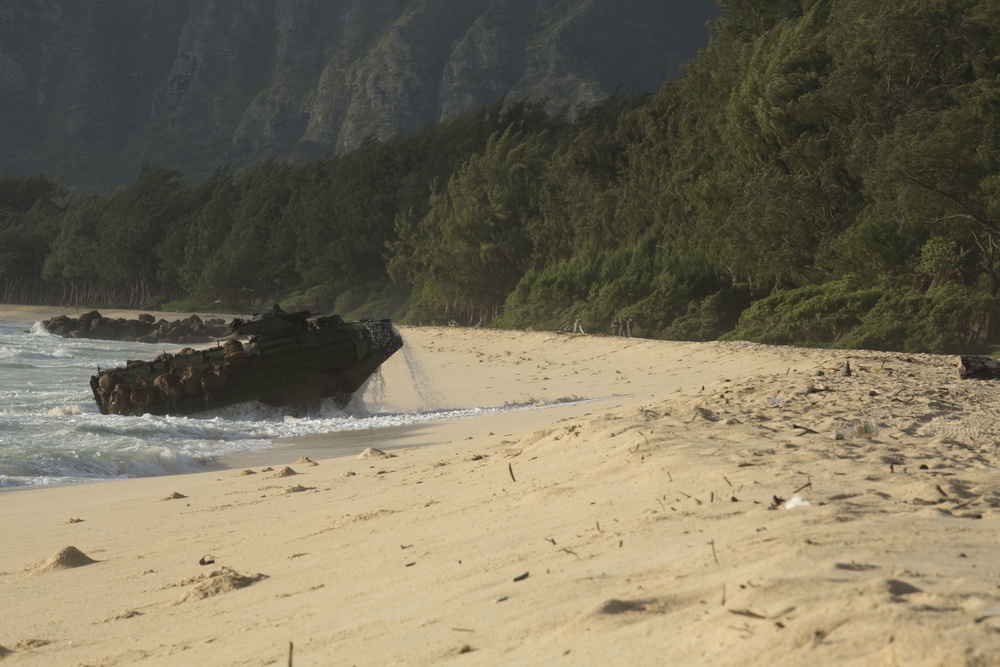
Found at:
<point>330,360</point>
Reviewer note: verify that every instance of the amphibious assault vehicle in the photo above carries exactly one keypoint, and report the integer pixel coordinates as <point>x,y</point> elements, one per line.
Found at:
<point>290,359</point>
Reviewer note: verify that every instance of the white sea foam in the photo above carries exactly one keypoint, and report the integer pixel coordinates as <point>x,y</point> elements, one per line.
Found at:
<point>51,431</point>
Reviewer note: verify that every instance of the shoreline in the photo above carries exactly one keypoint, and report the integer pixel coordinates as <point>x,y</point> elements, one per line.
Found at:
<point>704,511</point>
<point>350,442</point>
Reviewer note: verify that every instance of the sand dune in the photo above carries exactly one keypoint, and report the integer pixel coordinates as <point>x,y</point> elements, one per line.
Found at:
<point>723,504</point>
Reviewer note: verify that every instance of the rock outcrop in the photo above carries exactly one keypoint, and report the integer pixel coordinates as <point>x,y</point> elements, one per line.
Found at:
<point>190,84</point>
<point>145,328</point>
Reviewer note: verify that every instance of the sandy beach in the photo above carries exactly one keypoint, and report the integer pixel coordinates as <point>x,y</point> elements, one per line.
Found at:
<point>651,503</point>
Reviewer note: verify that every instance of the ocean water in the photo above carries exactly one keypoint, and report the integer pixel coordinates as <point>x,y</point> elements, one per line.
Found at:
<point>51,431</point>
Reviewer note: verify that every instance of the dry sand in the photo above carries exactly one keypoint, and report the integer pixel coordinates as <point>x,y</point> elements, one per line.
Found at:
<point>699,511</point>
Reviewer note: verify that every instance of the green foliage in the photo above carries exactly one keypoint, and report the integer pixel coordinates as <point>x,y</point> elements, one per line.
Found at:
<point>712,317</point>
<point>549,297</point>
<point>814,315</point>
<point>473,245</point>
<point>29,207</point>
<point>825,173</point>
<point>947,319</point>
<point>74,253</point>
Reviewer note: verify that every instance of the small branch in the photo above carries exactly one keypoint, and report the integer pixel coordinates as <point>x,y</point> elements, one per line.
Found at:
<point>966,503</point>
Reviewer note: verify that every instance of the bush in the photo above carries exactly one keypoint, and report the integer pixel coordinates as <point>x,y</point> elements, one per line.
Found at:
<point>816,315</point>
<point>942,321</point>
<point>712,317</point>
<point>945,320</point>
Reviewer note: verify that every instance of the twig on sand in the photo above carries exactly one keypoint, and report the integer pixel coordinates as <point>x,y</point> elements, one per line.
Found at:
<point>510,469</point>
<point>804,430</point>
<point>966,503</point>
<point>714,555</point>
<point>290,647</point>
<point>803,487</point>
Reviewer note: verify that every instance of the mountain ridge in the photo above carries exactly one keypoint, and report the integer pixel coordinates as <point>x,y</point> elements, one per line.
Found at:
<point>89,89</point>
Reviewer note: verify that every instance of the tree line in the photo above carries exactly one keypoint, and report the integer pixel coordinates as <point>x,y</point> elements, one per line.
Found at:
<point>824,172</point>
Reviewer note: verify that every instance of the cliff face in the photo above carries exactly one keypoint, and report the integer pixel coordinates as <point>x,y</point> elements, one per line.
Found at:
<point>90,88</point>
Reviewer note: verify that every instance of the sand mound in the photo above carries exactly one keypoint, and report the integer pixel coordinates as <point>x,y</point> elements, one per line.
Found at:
<point>305,460</point>
<point>64,559</point>
<point>298,488</point>
<point>372,453</point>
<point>284,472</point>
<point>221,581</point>
<point>173,496</point>
<point>244,473</point>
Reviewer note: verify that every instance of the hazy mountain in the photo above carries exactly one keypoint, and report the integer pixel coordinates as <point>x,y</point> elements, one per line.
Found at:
<point>90,88</point>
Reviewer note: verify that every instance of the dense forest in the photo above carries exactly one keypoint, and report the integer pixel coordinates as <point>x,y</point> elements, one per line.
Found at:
<point>825,172</point>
